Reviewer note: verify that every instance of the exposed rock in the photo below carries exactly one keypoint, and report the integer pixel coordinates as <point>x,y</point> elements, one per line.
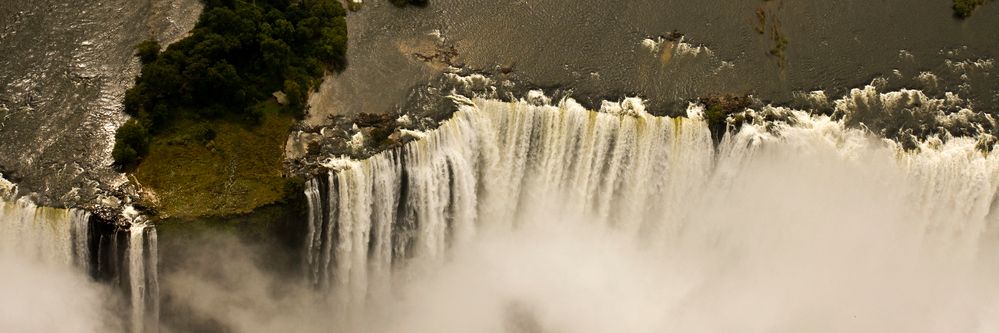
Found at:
<point>7,189</point>
<point>717,110</point>
<point>280,97</point>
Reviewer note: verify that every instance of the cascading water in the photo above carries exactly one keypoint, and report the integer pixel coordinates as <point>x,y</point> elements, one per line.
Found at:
<point>44,254</point>
<point>54,236</point>
<point>81,237</point>
<point>68,238</point>
<point>796,197</point>
<point>491,163</point>
<point>143,277</point>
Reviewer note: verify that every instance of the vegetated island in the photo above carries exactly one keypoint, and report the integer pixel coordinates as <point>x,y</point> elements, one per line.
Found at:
<point>212,112</point>
<point>963,8</point>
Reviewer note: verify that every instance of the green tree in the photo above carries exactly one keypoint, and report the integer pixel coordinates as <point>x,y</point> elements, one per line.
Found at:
<point>963,8</point>
<point>131,142</point>
<point>296,96</point>
<point>276,54</point>
<point>148,51</point>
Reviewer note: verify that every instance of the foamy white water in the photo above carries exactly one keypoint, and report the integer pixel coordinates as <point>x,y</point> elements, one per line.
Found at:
<point>527,218</point>
<point>46,235</point>
<point>44,257</point>
<point>143,260</point>
<point>57,242</point>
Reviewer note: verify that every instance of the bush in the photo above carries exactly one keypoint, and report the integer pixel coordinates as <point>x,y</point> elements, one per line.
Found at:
<point>148,51</point>
<point>203,133</point>
<point>131,143</point>
<point>380,135</point>
<point>963,8</point>
<point>718,108</point>
<point>134,99</point>
<point>124,156</point>
<point>296,96</point>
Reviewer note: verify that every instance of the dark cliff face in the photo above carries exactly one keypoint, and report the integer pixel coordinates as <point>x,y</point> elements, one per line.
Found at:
<point>108,246</point>
<point>269,240</point>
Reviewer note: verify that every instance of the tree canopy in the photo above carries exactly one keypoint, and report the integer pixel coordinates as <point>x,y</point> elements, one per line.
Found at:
<point>237,55</point>
<point>963,8</point>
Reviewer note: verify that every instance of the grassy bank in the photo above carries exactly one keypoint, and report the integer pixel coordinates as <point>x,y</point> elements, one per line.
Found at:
<point>217,168</point>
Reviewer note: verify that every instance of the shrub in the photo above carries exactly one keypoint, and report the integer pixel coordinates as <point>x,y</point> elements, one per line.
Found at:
<point>124,156</point>
<point>148,51</point>
<point>718,108</point>
<point>203,133</point>
<point>380,135</point>
<point>296,97</point>
<point>963,8</point>
<point>131,142</point>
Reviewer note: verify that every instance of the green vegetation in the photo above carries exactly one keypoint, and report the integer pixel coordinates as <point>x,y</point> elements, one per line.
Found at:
<point>148,51</point>
<point>780,45</point>
<point>780,42</point>
<point>207,136</point>
<point>131,141</point>
<point>403,3</point>
<point>766,13</point>
<point>963,8</point>
<point>218,168</point>
<point>239,53</point>
<point>761,21</point>
<point>717,110</point>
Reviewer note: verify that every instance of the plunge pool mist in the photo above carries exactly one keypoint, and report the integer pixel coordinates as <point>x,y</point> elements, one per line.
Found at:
<point>532,217</point>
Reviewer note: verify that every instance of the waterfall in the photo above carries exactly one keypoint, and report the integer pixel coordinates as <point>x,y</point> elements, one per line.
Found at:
<point>50,235</point>
<point>501,165</point>
<point>489,164</point>
<point>68,237</point>
<point>45,255</point>
<point>143,277</point>
<point>81,238</point>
